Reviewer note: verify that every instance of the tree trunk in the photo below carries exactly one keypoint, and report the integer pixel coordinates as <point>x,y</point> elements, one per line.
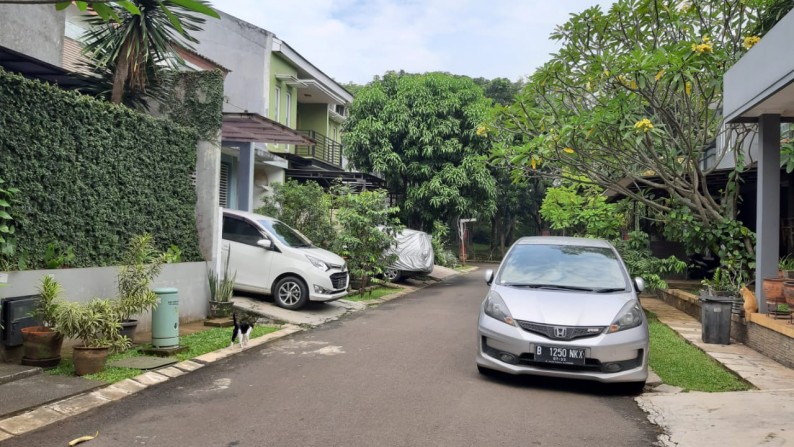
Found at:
<point>119,78</point>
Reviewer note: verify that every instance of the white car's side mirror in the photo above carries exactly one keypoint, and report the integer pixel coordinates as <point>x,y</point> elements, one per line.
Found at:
<point>267,244</point>
<point>639,283</point>
<point>489,276</point>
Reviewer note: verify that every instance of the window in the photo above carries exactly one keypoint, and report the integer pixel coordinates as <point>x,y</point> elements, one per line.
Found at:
<point>238,230</point>
<point>285,234</point>
<point>288,110</point>
<point>277,106</point>
<point>223,197</point>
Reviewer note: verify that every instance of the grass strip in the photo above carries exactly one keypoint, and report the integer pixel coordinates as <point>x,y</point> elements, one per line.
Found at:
<point>198,343</point>
<point>373,294</point>
<point>684,365</point>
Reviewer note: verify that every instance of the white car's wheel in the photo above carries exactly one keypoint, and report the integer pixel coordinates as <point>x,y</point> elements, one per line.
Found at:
<point>291,293</point>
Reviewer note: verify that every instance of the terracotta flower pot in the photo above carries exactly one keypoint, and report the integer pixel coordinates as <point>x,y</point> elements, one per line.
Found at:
<point>89,360</point>
<point>42,346</point>
<point>788,292</point>
<point>773,289</point>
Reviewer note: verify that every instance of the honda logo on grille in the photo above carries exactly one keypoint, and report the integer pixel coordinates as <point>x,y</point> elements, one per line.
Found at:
<point>560,332</point>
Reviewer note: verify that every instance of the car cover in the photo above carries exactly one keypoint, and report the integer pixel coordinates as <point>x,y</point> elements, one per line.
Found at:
<point>414,251</point>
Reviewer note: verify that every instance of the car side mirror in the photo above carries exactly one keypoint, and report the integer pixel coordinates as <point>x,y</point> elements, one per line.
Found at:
<point>267,244</point>
<point>639,284</point>
<point>489,276</point>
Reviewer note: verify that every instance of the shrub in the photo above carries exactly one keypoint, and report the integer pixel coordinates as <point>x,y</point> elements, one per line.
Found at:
<point>636,253</point>
<point>367,227</point>
<point>305,207</point>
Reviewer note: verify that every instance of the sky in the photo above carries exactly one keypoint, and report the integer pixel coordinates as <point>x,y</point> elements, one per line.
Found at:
<point>354,40</point>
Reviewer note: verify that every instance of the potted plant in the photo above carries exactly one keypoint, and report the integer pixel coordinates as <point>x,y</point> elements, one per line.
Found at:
<point>42,344</point>
<point>98,326</point>
<point>141,264</point>
<point>786,267</point>
<point>724,285</point>
<point>221,291</point>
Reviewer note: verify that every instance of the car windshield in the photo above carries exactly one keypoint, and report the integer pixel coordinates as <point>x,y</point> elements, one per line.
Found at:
<point>285,234</point>
<point>566,267</point>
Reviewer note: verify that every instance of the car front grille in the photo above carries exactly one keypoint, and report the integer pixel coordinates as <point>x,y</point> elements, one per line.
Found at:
<point>339,280</point>
<point>561,332</point>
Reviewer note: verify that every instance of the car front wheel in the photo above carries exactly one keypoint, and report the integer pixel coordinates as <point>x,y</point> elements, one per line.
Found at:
<point>291,293</point>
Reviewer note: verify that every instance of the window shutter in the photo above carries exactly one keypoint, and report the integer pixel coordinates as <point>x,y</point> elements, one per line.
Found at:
<point>223,199</point>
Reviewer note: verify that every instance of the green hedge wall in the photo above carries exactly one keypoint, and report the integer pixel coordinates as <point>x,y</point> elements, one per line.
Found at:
<point>91,174</point>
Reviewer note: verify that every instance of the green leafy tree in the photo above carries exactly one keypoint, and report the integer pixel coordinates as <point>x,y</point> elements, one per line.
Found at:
<point>636,253</point>
<point>367,226</point>
<point>581,210</point>
<point>303,206</point>
<point>420,132</point>
<point>501,90</point>
<point>137,49</point>
<point>108,9</point>
<point>632,103</point>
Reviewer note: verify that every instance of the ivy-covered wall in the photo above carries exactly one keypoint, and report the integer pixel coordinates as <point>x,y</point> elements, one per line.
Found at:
<point>197,101</point>
<point>91,175</point>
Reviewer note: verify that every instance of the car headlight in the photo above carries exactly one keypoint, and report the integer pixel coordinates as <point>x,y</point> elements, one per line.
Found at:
<point>318,263</point>
<point>495,307</point>
<point>629,317</point>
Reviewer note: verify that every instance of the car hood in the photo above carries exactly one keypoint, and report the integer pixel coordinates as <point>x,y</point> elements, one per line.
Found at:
<point>324,255</point>
<point>564,308</point>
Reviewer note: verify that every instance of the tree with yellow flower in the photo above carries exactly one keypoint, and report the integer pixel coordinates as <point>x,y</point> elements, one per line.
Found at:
<point>638,89</point>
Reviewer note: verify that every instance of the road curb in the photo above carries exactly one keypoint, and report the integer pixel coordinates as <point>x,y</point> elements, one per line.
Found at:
<point>44,415</point>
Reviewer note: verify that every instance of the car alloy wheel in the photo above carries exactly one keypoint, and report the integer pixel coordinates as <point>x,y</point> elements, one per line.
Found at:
<point>392,275</point>
<point>291,293</point>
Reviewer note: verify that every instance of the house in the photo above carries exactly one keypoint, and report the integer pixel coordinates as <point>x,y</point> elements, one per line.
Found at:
<point>298,109</point>
<point>766,98</point>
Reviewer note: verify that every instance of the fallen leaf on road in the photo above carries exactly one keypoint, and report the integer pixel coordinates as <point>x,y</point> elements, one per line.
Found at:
<point>74,442</point>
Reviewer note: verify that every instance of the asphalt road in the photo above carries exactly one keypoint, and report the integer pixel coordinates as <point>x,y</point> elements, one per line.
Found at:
<point>402,374</point>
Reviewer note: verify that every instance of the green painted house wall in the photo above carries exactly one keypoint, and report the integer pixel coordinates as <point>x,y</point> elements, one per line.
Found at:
<point>314,117</point>
<point>279,66</point>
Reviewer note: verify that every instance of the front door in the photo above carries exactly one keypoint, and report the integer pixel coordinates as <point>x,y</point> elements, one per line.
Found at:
<point>250,261</point>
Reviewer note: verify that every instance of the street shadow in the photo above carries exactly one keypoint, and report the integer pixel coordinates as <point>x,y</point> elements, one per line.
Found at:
<point>310,306</point>
<point>592,388</point>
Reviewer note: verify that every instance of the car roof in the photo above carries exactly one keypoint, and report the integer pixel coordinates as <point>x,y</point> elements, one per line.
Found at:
<point>563,240</point>
<point>247,214</point>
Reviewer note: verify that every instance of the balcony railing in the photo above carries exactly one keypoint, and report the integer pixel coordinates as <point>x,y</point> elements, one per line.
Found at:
<point>325,150</point>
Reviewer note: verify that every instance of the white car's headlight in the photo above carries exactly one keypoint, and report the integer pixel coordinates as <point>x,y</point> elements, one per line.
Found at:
<point>495,307</point>
<point>318,263</point>
<point>629,317</point>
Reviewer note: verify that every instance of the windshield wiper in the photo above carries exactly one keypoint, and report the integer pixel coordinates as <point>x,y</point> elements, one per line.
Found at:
<point>610,290</point>
<point>549,286</point>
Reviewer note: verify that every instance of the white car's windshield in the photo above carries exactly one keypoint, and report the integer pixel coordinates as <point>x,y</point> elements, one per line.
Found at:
<point>285,234</point>
<point>563,267</point>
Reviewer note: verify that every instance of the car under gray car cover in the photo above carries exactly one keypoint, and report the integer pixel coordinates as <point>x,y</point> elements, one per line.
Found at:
<point>414,251</point>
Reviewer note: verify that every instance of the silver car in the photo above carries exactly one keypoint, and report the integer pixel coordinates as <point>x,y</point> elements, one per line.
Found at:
<point>564,307</point>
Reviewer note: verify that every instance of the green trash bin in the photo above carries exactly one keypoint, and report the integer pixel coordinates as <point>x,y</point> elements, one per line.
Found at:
<point>165,318</point>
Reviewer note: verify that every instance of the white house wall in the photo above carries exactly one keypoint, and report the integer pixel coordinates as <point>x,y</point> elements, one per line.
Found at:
<point>83,284</point>
<point>34,30</point>
<point>245,50</point>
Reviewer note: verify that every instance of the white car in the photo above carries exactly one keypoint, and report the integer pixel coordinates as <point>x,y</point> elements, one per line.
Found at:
<point>270,257</point>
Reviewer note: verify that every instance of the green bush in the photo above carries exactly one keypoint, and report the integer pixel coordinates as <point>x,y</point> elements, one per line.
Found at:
<point>91,174</point>
<point>305,207</point>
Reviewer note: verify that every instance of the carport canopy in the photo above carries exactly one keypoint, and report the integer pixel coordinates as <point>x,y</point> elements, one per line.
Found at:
<point>255,128</point>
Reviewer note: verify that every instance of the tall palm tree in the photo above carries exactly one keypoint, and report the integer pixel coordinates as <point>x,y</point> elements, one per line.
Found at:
<point>138,47</point>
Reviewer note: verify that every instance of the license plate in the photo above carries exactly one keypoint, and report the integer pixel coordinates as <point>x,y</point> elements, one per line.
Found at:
<point>562,356</point>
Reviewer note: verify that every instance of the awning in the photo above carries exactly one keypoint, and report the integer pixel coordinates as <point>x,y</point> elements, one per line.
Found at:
<point>255,128</point>
<point>32,68</point>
